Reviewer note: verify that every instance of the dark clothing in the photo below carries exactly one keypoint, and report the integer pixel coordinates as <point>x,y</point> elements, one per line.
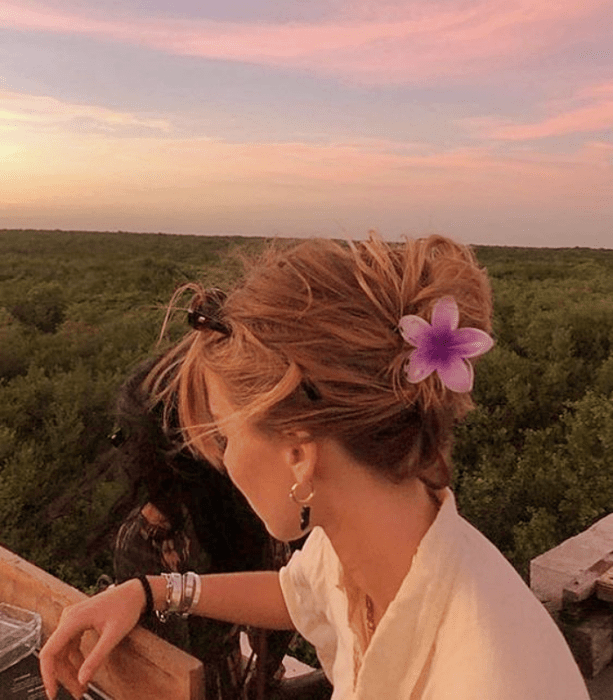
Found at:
<point>143,547</point>
<point>188,516</point>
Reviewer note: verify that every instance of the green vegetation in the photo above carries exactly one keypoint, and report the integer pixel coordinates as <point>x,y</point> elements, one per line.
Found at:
<point>534,461</point>
<point>78,311</point>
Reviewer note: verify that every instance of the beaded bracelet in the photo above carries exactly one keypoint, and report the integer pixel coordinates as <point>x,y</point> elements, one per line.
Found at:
<point>148,595</point>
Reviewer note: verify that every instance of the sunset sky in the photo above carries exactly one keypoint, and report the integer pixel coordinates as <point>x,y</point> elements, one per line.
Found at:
<point>490,121</point>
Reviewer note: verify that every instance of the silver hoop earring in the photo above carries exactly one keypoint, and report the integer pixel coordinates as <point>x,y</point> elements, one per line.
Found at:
<point>305,511</point>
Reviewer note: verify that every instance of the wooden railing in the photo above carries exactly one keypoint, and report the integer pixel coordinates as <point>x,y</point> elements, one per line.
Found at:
<point>575,582</point>
<point>142,667</point>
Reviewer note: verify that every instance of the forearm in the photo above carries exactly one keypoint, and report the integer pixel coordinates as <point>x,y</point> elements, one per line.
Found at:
<point>248,598</point>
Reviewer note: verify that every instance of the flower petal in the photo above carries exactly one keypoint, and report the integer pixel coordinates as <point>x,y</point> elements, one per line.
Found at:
<point>419,367</point>
<point>457,375</point>
<point>471,342</point>
<point>412,328</point>
<point>445,314</point>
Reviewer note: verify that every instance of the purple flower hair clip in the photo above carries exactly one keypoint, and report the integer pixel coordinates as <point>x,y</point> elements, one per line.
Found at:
<point>443,347</point>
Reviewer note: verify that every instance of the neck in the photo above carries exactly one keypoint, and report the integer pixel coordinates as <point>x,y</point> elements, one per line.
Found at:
<point>375,526</point>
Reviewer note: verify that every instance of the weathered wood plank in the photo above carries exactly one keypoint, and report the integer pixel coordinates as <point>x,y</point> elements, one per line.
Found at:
<point>584,584</point>
<point>604,586</point>
<point>142,667</point>
<point>555,569</point>
<point>591,641</point>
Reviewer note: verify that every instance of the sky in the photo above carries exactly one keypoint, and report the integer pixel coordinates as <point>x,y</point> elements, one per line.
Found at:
<point>490,121</point>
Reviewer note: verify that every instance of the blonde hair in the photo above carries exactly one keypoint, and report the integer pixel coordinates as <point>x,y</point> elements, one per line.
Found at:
<point>314,345</point>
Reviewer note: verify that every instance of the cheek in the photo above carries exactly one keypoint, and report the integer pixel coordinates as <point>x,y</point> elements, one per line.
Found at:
<point>235,465</point>
<point>257,471</point>
<point>246,461</point>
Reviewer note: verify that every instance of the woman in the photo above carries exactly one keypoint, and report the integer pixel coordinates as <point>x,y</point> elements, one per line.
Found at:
<point>185,514</point>
<point>334,376</point>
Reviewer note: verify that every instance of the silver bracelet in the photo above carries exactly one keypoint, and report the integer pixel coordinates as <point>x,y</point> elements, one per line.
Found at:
<point>182,594</point>
<point>176,593</point>
<point>198,590</point>
<point>191,592</point>
<point>189,587</point>
<point>174,586</point>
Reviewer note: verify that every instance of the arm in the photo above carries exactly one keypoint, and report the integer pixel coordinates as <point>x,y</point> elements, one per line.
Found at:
<point>251,598</point>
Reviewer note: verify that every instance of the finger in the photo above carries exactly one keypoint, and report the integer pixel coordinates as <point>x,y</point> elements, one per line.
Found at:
<point>68,678</point>
<point>74,659</point>
<point>54,655</point>
<point>64,672</point>
<point>105,644</point>
<point>48,673</point>
<point>50,686</point>
<point>73,652</point>
<point>67,630</point>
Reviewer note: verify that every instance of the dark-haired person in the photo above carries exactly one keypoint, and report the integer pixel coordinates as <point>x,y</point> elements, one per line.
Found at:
<point>328,382</point>
<point>189,515</point>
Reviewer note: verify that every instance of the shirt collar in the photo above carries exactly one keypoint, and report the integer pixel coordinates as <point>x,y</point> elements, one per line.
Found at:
<point>404,638</point>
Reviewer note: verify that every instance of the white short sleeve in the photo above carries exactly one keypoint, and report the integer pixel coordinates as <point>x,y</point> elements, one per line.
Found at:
<point>305,583</point>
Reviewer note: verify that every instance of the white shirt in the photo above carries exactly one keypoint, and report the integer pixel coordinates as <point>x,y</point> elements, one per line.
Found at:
<point>463,625</point>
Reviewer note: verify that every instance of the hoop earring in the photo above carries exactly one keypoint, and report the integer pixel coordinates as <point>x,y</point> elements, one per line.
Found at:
<point>305,511</point>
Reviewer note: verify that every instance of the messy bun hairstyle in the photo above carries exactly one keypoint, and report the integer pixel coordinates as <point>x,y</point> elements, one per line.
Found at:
<point>312,344</point>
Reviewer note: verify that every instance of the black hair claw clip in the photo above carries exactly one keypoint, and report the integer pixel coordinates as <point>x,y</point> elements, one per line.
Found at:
<point>206,311</point>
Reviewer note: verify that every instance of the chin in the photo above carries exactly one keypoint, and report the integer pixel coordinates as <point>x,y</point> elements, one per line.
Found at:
<point>285,532</point>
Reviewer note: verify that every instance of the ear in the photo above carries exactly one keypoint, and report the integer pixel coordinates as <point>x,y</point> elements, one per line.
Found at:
<point>301,457</point>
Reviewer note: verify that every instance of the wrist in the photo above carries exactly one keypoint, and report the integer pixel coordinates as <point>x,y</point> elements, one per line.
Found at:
<point>166,594</point>
<point>158,591</point>
<point>134,589</point>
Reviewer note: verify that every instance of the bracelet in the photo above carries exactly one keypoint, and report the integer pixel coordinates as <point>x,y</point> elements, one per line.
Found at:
<point>182,594</point>
<point>148,595</point>
<point>174,592</point>
<point>191,592</point>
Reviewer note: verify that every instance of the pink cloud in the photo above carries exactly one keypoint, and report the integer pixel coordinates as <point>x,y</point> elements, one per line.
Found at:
<point>102,182</point>
<point>397,42</point>
<point>325,171</point>
<point>584,120</point>
<point>595,113</point>
<point>37,110</point>
<point>597,91</point>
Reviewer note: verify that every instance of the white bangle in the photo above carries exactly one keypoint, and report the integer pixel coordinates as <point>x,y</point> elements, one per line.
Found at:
<point>176,592</point>
<point>190,593</point>
<point>197,592</point>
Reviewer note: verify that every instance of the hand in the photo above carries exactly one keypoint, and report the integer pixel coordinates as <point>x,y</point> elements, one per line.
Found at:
<point>112,614</point>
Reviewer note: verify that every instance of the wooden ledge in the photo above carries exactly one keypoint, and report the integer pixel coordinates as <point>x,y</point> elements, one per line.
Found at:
<point>604,586</point>
<point>142,667</point>
<point>585,584</point>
